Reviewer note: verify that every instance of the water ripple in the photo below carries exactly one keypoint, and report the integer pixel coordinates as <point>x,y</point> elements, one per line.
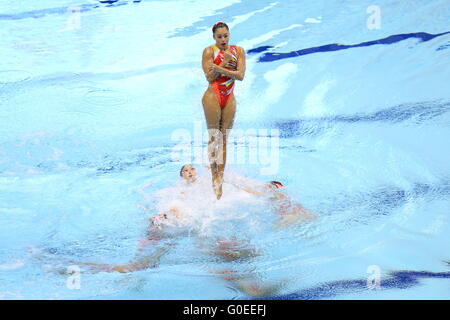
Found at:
<point>274,56</point>
<point>417,113</point>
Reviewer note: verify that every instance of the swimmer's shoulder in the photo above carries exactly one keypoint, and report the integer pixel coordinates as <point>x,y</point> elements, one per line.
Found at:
<point>208,51</point>
<point>240,50</point>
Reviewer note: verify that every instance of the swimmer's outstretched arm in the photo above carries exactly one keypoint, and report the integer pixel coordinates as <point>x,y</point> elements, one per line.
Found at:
<point>244,188</point>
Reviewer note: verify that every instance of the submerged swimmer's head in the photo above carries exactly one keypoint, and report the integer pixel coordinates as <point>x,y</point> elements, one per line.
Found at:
<point>276,184</point>
<point>188,173</point>
<point>221,33</point>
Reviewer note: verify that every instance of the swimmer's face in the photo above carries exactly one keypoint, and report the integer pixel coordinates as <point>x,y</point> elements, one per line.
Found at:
<point>222,36</point>
<point>189,173</point>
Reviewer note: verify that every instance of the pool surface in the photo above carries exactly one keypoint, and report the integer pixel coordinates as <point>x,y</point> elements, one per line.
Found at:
<point>346,102</point>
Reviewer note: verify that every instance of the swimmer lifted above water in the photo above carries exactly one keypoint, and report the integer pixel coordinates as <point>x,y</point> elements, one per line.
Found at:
<point>222,64</point>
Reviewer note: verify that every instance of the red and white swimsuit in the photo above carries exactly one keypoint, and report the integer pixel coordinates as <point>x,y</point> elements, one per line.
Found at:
<point>223,86</point>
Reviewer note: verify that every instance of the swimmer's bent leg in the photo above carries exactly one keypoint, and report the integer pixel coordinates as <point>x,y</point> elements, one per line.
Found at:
<point>146,262</point>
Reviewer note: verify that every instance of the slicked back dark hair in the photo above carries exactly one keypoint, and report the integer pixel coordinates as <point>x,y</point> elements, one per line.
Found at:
<point>181,170</point>
<point>276,183</point>
<point>218,25</point>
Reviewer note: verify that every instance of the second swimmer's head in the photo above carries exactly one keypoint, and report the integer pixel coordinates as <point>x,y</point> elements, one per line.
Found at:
<point>276,184</point>
<point>188,173</point>
<point>221,33</point>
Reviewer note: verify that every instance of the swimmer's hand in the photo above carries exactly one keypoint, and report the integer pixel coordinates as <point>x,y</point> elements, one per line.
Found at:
<point>215,68</point>
<point>211,67</point>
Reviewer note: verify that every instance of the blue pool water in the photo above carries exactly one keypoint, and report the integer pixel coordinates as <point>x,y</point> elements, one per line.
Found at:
<point>93,92</point>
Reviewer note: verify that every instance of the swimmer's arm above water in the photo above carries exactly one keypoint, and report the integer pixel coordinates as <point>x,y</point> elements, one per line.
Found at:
<point>265,187</point>
<point>207,61</point>
<point>244,188</point>
<point>239,73</point>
